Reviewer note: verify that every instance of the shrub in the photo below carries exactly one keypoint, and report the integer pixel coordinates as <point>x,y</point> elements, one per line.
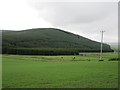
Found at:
<point>114,59</point>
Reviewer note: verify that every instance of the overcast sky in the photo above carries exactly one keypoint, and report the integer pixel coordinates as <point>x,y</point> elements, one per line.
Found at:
<point>84,18</point>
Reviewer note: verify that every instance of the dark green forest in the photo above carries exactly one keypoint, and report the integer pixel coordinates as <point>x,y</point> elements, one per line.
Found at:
<point>47,41</point>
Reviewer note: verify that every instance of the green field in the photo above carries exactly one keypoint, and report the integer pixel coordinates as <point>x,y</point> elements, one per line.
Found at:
<point>27,71</point>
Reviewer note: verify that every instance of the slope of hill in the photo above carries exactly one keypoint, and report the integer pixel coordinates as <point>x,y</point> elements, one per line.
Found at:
<point>49,38</point>
<point>114,46</point>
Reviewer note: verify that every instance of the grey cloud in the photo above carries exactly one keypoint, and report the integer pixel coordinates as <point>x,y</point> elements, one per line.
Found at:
<point>66,13</point>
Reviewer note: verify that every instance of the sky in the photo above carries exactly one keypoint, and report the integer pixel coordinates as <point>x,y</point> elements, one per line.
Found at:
<point>83,17</point>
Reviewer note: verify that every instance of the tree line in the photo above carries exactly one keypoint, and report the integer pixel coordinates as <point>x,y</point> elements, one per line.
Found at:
<point>48,51</point>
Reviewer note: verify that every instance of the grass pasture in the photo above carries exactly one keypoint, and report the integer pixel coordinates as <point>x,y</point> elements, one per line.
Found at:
<point>27,71</point>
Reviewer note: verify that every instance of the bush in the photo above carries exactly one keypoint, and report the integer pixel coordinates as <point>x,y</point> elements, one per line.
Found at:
<point>114,59</point>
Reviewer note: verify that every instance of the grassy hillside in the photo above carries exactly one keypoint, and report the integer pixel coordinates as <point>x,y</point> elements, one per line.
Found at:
<point>49,38</point>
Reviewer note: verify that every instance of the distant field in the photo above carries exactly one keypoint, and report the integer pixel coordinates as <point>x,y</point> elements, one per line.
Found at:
<point>27,71</point>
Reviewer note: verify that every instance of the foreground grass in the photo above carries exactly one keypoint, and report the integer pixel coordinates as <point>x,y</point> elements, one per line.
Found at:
<point>60,71</point>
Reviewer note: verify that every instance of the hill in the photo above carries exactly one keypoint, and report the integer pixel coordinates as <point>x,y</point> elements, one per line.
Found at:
<point>48,39</point>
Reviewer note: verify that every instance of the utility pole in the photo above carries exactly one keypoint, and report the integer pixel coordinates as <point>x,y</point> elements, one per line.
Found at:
<point>101,45</point>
